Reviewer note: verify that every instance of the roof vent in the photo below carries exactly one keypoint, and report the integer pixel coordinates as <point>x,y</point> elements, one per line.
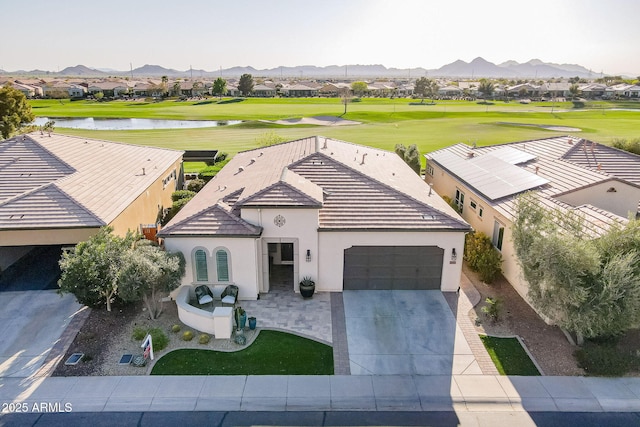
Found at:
<point>537,169</point>
<point>470,154</point>
<point>260,155</point>
<point>324,147</point>
<point>252,161</point>
<point>240,169</point>
<point>593,145</point>
<point>612,190</point>
<point>143,171</point>
<point>363,156</point>
<point>599,166</point>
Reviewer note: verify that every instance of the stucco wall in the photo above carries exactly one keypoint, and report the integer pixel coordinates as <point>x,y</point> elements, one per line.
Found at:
<point>45,237</point>
<point>332,245</point>
<point>243,266</point>
<point>144,209</point>
<point>622,201</point>
<point>445,185</point>
<point>300,228</point>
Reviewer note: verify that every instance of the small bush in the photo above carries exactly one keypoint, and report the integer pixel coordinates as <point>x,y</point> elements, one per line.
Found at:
<point>482,257</point>
<point>187,335</point>
<point>175,329</point>
<point>209,172</point>
<point>159,338</point>
<point>493,308</point>
<point>604,359</point>
<point>175,208</point>
<point>204,339</point>
<point>182,194</point>
<point>139,333</point>
<point>196,185</point>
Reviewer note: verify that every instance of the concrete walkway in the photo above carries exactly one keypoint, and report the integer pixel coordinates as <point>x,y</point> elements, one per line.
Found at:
<point>464,393</point>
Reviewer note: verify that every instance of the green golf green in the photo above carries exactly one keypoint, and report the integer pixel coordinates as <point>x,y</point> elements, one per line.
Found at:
<point>271,353</point>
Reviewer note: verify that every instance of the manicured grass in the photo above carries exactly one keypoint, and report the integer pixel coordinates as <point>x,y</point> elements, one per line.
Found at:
<point>509,356</point>
<point>272,353</point>
<point>385,122</point>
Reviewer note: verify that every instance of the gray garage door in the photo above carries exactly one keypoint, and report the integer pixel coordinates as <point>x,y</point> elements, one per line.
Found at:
<point>392,267</point>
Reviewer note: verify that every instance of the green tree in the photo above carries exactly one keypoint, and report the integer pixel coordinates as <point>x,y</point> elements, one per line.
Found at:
<point>177,88</point>
<point>359,88</point>
<point>574,90</point>
<point>245,85</point>
<point>91,271</point>
<point>269,138</point>
<point>410,155</point>
<point>48,127</point>
<point>486,88</point>
<point>589,286</point>
<point>426,88</point>
<point>164,85</point>
<point>15,111</point>
<point>150,274</point>
<point>219,87</point>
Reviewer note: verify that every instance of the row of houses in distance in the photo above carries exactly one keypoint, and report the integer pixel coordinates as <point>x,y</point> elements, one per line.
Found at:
<point>447,89</point>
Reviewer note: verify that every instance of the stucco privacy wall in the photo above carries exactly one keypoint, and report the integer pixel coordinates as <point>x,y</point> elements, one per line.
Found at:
<point>300,225</point>
<point>243,263</point>
<point>332,245</point>
<point>68,236</point>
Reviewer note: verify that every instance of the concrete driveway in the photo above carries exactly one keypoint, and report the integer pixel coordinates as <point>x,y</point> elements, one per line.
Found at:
<point>404,333</point>
<point>31,322</point>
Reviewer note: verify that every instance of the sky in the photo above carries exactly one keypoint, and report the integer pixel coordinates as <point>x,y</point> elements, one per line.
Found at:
<point>601,35</point>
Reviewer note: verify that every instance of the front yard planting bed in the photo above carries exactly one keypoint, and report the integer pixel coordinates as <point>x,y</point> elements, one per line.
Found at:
<point>509,356</point>
<point>272,353</point>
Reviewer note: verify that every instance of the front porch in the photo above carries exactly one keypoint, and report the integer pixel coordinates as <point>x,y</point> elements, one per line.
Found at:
<point>281,308</point>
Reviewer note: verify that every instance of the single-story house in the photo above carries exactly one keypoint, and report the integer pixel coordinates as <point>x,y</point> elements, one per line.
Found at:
<point>263,91</point>
<point>599,182</point>
<point>346,215</point>
<point>111,89</point>
<point>59,190</point>
<point>298,90</point>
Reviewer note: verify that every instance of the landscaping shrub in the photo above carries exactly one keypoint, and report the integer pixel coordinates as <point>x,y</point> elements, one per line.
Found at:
<point>138,333</point>
<point>451,203</point>
<point>493,308</point>
<point>482,257</point>
<point>175,329</point>
<point>605,359</point>
<point>182,194</point>
<point>175,208</point>
<point>196,185</point>
<point>187,336</point>
<point>159,338</point>
<point>204,339</point>
<point>210,171</point>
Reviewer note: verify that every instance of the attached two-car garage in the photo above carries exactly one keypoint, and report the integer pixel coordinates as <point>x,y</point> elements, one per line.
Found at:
<point>393,267</point>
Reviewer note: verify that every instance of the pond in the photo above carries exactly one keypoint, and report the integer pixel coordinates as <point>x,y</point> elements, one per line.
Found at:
<point>91,123</point>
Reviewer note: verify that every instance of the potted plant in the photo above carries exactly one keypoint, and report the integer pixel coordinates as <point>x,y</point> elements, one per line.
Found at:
<point>241,318</point>
<point>307,287</point>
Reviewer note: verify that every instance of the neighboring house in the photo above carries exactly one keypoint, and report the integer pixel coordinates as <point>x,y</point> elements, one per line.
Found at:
<point>109,89</point>
<point>232,90</point>
<point>559,89</point>
<point>56,90</point>
<point>450,91</point>
<point>263,91</point>
<point>59,190</point>
<point>599,182</point>
<point>346,215</point>
<point>298,91</point>
<point>334,89</point>
<point>77,91</point>
<point>524,89</point>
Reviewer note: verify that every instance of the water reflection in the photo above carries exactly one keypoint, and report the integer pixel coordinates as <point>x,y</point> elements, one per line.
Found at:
<point>91,123</point>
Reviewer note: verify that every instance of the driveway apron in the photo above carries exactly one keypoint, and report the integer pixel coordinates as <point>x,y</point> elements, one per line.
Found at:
<point>395,332</point>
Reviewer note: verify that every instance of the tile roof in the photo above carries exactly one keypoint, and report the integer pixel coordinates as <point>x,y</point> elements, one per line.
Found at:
<point>568,163</point>
<point>219,220</point>
<point>353,186</point>
<point>92,181</point>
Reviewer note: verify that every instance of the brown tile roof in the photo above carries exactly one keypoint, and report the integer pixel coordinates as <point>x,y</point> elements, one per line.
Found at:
<point>100,177</point>
<point>218,220</point>
<point>353,186</point>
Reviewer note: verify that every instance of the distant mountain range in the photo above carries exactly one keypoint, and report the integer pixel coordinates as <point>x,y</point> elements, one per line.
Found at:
<point>477,68</point>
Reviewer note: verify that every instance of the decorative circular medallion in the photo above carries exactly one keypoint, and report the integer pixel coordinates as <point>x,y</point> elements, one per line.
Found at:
<point>279,220</point>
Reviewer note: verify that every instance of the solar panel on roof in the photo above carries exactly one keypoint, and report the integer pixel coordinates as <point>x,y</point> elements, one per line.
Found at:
<point>512,155</point>
<point>491,176</point>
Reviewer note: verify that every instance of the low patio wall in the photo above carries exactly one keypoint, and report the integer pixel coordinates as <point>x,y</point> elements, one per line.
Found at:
<point>199,319</point>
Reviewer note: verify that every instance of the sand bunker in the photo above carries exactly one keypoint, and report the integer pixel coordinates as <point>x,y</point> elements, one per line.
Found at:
<point>547,127</point>
<point>317,121</point>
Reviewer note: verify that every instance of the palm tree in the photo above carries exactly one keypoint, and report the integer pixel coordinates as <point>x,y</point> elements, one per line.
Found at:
<point>165,85</point>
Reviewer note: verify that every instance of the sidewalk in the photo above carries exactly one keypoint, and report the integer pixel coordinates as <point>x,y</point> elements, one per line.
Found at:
<point>477,393</point>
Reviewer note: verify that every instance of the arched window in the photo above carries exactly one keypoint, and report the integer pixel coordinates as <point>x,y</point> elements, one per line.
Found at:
<point>222,264</point>
<point>202,275</point>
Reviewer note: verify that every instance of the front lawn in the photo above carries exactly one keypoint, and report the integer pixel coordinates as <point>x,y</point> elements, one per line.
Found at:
<point>509,356</point>
<point>272,353</point>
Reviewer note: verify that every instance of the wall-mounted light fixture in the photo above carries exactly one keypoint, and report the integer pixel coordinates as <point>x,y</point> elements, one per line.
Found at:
<point>308,255</point>
<point>454,255</point>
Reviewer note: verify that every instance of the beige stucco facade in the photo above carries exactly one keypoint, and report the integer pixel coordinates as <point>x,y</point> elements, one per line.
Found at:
<point>483,218</point>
